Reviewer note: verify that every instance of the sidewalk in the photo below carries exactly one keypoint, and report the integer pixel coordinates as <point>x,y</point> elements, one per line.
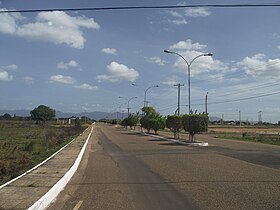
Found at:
<point>24,192</point>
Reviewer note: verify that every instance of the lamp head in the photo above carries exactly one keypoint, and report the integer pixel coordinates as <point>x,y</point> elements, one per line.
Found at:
<point>166,51</point>
<point>208,54</point>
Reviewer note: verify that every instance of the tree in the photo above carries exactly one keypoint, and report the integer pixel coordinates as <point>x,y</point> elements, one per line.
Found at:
<point>174,123</point>
<point>130,121</point>
<point>152,120</point>
<point>195,123</point>
<point>7,116</point>
<point>42,113</point>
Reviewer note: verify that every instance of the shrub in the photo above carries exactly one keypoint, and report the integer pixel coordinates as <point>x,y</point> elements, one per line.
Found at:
<point>174,123</point>
<point>195,123</point>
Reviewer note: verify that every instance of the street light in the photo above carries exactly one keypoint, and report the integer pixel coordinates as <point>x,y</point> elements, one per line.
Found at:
<point>145,95</point>
<point>189,70</point>
<point>128,100</point>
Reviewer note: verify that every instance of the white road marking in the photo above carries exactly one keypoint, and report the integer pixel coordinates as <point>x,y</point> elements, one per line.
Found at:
<point>78,205</point>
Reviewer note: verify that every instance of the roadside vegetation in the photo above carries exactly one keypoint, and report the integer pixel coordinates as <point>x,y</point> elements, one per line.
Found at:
<point>273,139</point>
<point>25,142</point>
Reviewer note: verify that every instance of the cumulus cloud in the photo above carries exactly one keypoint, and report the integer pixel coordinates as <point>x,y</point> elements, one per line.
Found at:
<point>86,87</point>
<point>187,45</point>
<point>56,27</point>
<point>259,66</point>
<point>156,60</point>
<point>62,79</point>
<point>8,22</point>
<point>118,72</point>
<point>111,51</point>
<point>4,75</point>
<point>67,65</point>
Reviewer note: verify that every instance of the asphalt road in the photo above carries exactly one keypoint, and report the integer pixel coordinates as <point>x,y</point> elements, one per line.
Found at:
<point>126,170</point>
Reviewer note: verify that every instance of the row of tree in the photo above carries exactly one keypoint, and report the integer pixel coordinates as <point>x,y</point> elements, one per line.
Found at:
<point>152,120</point>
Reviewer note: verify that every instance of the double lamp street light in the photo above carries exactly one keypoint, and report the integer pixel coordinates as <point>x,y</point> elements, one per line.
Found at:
<point>189,70</point>
<point>128,100</point>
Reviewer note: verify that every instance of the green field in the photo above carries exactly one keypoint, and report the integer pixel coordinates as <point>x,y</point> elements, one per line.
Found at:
<point>24,144</point>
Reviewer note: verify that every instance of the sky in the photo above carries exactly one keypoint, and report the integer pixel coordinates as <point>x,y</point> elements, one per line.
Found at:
<point>85,61</point>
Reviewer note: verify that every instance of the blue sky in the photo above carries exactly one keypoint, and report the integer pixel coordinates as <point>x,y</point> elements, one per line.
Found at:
<point>83,61</point>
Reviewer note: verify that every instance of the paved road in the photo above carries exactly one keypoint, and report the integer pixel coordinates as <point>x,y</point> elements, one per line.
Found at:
<point>126,170</point>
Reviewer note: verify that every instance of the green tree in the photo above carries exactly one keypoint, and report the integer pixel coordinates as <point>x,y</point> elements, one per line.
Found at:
<point>195,123</point>
<point>174,123</point>
<point>130,121</point>
<point>152,120</point>
<point>42,113</point>
<point>7,116</point>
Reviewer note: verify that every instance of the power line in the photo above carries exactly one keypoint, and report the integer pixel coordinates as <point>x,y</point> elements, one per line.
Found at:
<point>241,99</point>
<point>144,7</point>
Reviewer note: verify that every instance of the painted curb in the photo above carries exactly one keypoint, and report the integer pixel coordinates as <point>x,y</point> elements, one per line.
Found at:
<point>35,167</point>
<point>202,144</point>
<point>46,200</point>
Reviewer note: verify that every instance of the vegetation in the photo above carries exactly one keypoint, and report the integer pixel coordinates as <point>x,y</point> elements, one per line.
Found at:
<point>174,123</point>
<point>152,120</point>
<point>273,139</point>
<point>42,113</point>
<point>130,121</point>
<point>195,123</point>
<point>24,144</point>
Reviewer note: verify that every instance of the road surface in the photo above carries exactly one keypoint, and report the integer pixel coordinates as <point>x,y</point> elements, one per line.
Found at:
<point>126,170</point>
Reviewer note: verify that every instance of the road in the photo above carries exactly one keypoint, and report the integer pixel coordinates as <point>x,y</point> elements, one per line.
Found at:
<point>126,170</point>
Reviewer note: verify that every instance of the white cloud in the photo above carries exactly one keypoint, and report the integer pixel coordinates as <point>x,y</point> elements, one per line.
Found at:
<point>278,47</point>
<point>62,79</point>
<point>181,21</point>
<point>12,67</point>
<point>67,65</point>
<point>197,12</point>
<point>28,80</point>
<point>259,66</point>
<point>8,22</point>
<point>203,64</point>
<point>56,27</point>
<point>118,72</point>
<point>156,60</point>
<point>86,87</point>
<point>4,76</point>
<point>111,51</point>
<point>187,45</point>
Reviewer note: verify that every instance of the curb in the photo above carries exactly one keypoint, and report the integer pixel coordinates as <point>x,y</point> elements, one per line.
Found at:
<point>202,144</point>
<point>35,167</point>
<point>44,201</point>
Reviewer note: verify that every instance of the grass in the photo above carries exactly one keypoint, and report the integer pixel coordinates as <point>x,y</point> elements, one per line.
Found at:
<point>273,139</point>
<point>24,144</point>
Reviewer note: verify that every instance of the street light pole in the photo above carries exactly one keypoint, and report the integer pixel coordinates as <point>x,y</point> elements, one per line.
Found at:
<point>145,95</point>
<point>128,100</point>
<point>206,97</point>
<point>189,70</point>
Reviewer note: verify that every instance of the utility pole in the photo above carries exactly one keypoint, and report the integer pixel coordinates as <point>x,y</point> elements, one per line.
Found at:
<point>239,118</point>
<point>260,117</point>
<point>179,90</point>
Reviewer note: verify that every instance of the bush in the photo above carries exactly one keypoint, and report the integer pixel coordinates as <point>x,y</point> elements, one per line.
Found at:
<point>174,123</point>
<point>195,123</point>
<point>152,120</point>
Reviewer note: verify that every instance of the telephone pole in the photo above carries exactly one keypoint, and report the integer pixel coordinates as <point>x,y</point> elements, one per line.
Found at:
<point>260,117</point>
<point>179,90</point>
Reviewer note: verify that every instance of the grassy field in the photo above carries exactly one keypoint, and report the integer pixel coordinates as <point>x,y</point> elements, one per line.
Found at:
<point>261,134</point>
<point>24,144</point>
